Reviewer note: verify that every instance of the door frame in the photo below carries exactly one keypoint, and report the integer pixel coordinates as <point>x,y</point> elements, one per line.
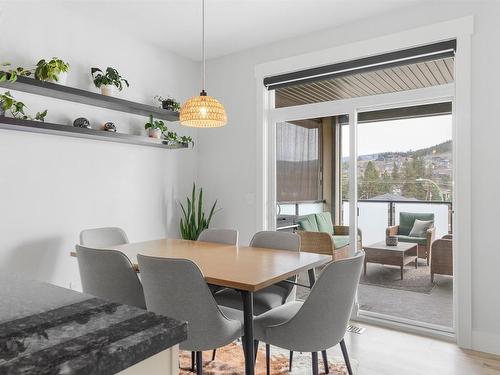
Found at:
<point>460,29</point>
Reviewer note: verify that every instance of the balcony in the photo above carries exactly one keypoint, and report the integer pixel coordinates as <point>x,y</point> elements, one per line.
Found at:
<point>381,291</point>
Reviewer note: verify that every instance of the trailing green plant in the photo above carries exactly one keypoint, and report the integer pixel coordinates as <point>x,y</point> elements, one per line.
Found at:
<point>16,108</point>
<point>111,77</point>
<point>168,103</point>
<point>155,124</point>
<point>50,70</point>
<point>8,74</point>
<point>185,139</point>
<point>193,220</point>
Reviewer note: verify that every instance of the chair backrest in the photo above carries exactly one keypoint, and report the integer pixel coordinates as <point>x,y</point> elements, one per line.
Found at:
<point>102,237</point>
<point>224,236</point>
<point>176,288</point>
<point>276,240</point>
<point>322,320</point>
<point>407,219</point>
<point>108,274</point>
<point>320,222</point>
<point>279,241</point>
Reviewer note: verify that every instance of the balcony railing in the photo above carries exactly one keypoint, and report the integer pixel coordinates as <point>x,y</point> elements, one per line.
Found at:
<point>374,216</point>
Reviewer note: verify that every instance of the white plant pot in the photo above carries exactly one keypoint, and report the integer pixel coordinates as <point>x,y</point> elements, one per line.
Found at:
<point>108,90</point>
<point>154,133</point>
<point>62,78</point>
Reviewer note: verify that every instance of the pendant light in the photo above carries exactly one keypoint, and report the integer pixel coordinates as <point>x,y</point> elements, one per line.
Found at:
<point>203,111</point>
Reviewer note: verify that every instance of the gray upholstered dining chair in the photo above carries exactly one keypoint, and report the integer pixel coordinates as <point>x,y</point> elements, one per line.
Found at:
<point>223,236</point>
<point>274,295</point>
<point>108,274</point>
<point>321,321</point>
<point>176,288</point>
<point>102,237</point>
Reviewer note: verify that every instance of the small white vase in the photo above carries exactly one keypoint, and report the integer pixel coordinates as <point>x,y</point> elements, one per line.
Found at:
<point>107,90</point>
<point>154,133</point>
<point>61,79</point>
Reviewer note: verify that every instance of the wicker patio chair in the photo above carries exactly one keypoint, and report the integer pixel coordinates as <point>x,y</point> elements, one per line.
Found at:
<point>442,257</point>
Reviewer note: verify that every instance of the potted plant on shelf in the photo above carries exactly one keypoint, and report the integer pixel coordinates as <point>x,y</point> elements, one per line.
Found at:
<point>193,220</point>
<point>16,108</point>
<point>168,103</point>
<point>8,74</point>
<point>108,81</point>
<point>55,70</point>
<point>155,128</point>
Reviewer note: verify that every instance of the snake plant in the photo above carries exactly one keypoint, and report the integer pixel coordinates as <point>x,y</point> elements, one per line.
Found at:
<point>193,220</point>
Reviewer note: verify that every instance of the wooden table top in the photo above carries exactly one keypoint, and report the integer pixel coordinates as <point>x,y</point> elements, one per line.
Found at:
<point>400,247</point>
<point>240,267</point>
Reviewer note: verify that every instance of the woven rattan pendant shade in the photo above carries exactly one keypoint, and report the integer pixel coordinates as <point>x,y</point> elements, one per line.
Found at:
<point>203,111</point>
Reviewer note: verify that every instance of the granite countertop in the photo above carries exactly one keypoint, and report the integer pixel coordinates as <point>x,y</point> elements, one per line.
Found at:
<point>45,329</point>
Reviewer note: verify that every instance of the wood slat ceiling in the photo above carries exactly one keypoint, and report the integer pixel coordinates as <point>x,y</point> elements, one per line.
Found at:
<point>400,78</point>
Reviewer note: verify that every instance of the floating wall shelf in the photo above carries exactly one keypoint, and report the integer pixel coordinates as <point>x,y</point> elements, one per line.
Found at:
<point>34,86</point>
<point>71,131</point>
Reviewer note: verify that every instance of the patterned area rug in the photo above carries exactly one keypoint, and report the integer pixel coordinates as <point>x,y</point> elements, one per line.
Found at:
<point>414,280</point>
<point>230,361</point>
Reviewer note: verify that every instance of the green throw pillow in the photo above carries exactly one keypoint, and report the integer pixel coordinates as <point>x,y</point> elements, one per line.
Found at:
<point>420,228</point>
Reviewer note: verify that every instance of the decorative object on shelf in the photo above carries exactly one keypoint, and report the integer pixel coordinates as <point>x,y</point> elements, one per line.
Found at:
<point>193,220</point>
<point>155,128</point>
<point>8,74</point>
<point>108,81</point>
<point>169,103</point>
<point>55,70</point>
<point>391,241</point>
<point>16,108</point>
<point>185,140</point>
<point>109,127</point>
<point>203,111</point>
<point>81,122</point>
<point>171,138</point>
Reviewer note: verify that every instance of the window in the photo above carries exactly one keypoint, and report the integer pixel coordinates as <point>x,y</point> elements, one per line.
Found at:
<point>298,161</point>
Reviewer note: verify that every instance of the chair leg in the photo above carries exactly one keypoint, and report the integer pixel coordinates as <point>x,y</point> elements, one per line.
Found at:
<point>315,367</point>
<point>346,356</point>
<point>268,359</point>
<point>192,361</point>
<point>199,363</point>
<point>290,362</point>
<point>325,361</point>
<point>432,277</point>
<point>255,348</point>
<point>213,354</point>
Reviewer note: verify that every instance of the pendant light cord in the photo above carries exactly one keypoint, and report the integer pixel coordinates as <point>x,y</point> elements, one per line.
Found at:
<point>203,45</point>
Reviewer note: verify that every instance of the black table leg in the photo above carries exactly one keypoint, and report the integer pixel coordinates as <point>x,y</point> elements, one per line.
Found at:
<point>312,277</point>
<point>248,337</point>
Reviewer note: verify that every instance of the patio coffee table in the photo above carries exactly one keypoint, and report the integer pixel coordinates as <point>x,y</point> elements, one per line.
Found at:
<point>399,255</point>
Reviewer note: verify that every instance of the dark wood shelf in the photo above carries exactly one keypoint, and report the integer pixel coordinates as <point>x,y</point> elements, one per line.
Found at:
<point>53,90</point>
<point>70,131</point>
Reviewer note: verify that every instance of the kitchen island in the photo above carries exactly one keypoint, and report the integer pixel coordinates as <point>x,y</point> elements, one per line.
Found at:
<point>45,329</point>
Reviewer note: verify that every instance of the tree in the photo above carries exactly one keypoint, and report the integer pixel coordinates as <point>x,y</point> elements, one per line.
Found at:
<point>370,182</point>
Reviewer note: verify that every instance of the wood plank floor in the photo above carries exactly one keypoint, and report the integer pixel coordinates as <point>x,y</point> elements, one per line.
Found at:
<point>384,351</point>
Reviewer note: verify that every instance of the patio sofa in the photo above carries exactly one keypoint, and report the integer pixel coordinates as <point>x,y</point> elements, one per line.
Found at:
<point>402,231</point>
<point>319,235</point>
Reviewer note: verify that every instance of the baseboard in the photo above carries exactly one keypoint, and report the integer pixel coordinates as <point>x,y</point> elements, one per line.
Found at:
<point>486,342</point>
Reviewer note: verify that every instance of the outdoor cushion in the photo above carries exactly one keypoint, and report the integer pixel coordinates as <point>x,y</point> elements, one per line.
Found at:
<point>419,240</point>
<point>308,223</point>
<point>407,219</point>
<point>324,221</point>
<point>420,228</point>
<point>263,300</point>
<point>340,241</point>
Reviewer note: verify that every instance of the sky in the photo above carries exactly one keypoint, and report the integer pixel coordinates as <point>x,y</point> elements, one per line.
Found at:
<point>399,135</point>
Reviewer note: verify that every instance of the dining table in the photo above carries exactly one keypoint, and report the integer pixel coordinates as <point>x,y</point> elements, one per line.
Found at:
<point>243,268</point>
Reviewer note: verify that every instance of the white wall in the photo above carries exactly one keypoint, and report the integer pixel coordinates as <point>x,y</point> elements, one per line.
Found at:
<point>51,187</point>
<point>226,157</point>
